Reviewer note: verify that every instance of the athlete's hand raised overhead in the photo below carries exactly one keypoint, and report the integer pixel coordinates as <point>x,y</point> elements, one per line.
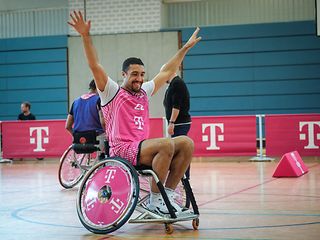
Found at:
<point>79,24</point>
<point>193,40</point>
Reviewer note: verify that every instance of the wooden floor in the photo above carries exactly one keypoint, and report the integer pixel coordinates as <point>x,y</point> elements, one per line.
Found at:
<point>237,200</point>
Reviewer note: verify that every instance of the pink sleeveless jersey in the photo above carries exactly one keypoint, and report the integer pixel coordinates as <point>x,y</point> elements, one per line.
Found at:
<point>127,123</point>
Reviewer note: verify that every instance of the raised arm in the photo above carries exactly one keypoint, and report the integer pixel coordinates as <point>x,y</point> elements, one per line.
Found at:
<point>171,67</point>
<point>83,28</point>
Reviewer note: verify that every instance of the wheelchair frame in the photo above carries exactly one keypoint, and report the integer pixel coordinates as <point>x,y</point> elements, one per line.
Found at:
<point>103,207</point>
<point>81,158</point>
<point>78,165</point>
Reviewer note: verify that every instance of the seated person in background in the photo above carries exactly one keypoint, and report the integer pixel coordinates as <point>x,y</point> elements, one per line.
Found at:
<point>25,112</point>
<point>86,115</point>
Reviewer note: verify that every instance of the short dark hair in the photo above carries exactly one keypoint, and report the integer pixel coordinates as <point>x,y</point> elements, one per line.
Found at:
<point>131,60</point>
<point>27,104</point>
<point>92,85</point>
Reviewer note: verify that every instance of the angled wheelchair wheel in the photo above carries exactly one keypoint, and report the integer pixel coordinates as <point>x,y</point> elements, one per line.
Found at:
<point>70,171</point>
<point>108,195</point>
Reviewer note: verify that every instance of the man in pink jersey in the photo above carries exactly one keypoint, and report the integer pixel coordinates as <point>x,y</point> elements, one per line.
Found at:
<point>126,113</point>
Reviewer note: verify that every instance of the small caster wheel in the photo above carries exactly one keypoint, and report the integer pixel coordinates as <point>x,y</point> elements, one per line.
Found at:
<point>195,223</point>
<point>169,228</point>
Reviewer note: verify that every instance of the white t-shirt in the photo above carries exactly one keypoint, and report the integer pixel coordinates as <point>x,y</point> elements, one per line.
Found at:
<point>112,88</point>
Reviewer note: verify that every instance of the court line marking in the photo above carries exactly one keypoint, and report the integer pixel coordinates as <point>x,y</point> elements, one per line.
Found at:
<point>263,226</point>
<point>237,192</point>
<point>31,189</point>
<point>179,237</point>
<point>287,195</point>
<point>15,213</point>
<point>246,189</point>
<point>209,212</point>
<point>250,227</point>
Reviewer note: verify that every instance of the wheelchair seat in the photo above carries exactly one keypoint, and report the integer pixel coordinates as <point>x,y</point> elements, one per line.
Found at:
<point>85,142</point>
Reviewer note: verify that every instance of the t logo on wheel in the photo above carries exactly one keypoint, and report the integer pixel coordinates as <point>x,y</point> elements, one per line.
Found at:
<point>116,205</point>
<point>110,175</point>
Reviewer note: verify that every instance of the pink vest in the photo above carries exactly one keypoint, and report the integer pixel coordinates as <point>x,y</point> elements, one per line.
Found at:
<point>127,117</point>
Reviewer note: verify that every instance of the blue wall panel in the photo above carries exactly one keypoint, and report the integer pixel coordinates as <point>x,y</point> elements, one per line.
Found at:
<point>226,89</point>
<point>34,69</point>
<point>253,59</point>
<point>253,30</point>
<point>254,69</point>
<point>34,82</point>
<point>275,43</point>
<point>33,56</point>
<point>32,43</point>
<point>43,110</point>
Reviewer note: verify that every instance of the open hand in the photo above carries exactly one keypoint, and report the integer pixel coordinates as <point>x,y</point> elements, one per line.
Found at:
<point>194,39</point>
<point>79,24</point>
<point>171,129</point>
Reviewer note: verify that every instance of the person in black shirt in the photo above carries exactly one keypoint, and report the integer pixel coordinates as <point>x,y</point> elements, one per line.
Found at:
<point>25,112</point>
<point>177,104</point>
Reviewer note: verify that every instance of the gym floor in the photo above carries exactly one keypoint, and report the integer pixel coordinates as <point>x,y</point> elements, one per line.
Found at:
<point>237,200</point>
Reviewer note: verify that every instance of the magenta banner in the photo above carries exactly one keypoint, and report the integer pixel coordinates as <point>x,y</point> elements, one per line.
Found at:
<point>156,128</point>
<point>286,133</point>
<point>224,136</point>
<point>34,139</point>
<point>42,139</point>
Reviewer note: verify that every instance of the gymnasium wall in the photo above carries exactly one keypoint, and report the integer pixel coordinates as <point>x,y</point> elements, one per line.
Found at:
<point>176,13</point>
<point>153,48</point>
<point>254,69</point>
<point>34,22</point>
<point>261,67</point>
<point>33,58</point>
<point>34,69</point>
<point>119,16</point>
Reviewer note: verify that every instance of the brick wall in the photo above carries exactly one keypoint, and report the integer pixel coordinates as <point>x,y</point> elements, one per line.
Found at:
<point>120,16</point>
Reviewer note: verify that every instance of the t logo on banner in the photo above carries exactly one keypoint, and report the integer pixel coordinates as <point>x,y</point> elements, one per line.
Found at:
<point>213,137</point>
<point>311,134</point>
<point>38,137</point>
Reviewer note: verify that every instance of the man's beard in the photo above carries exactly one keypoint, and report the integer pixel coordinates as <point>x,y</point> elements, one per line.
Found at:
<point>136,89</point>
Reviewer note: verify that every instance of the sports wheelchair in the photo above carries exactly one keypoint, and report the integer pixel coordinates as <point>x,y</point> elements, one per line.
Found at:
<point>112,189</point>
<point>79,158</point>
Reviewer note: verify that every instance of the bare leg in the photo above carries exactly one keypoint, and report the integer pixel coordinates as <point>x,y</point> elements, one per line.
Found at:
<point>183,150</point>
<point>158,154</point>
